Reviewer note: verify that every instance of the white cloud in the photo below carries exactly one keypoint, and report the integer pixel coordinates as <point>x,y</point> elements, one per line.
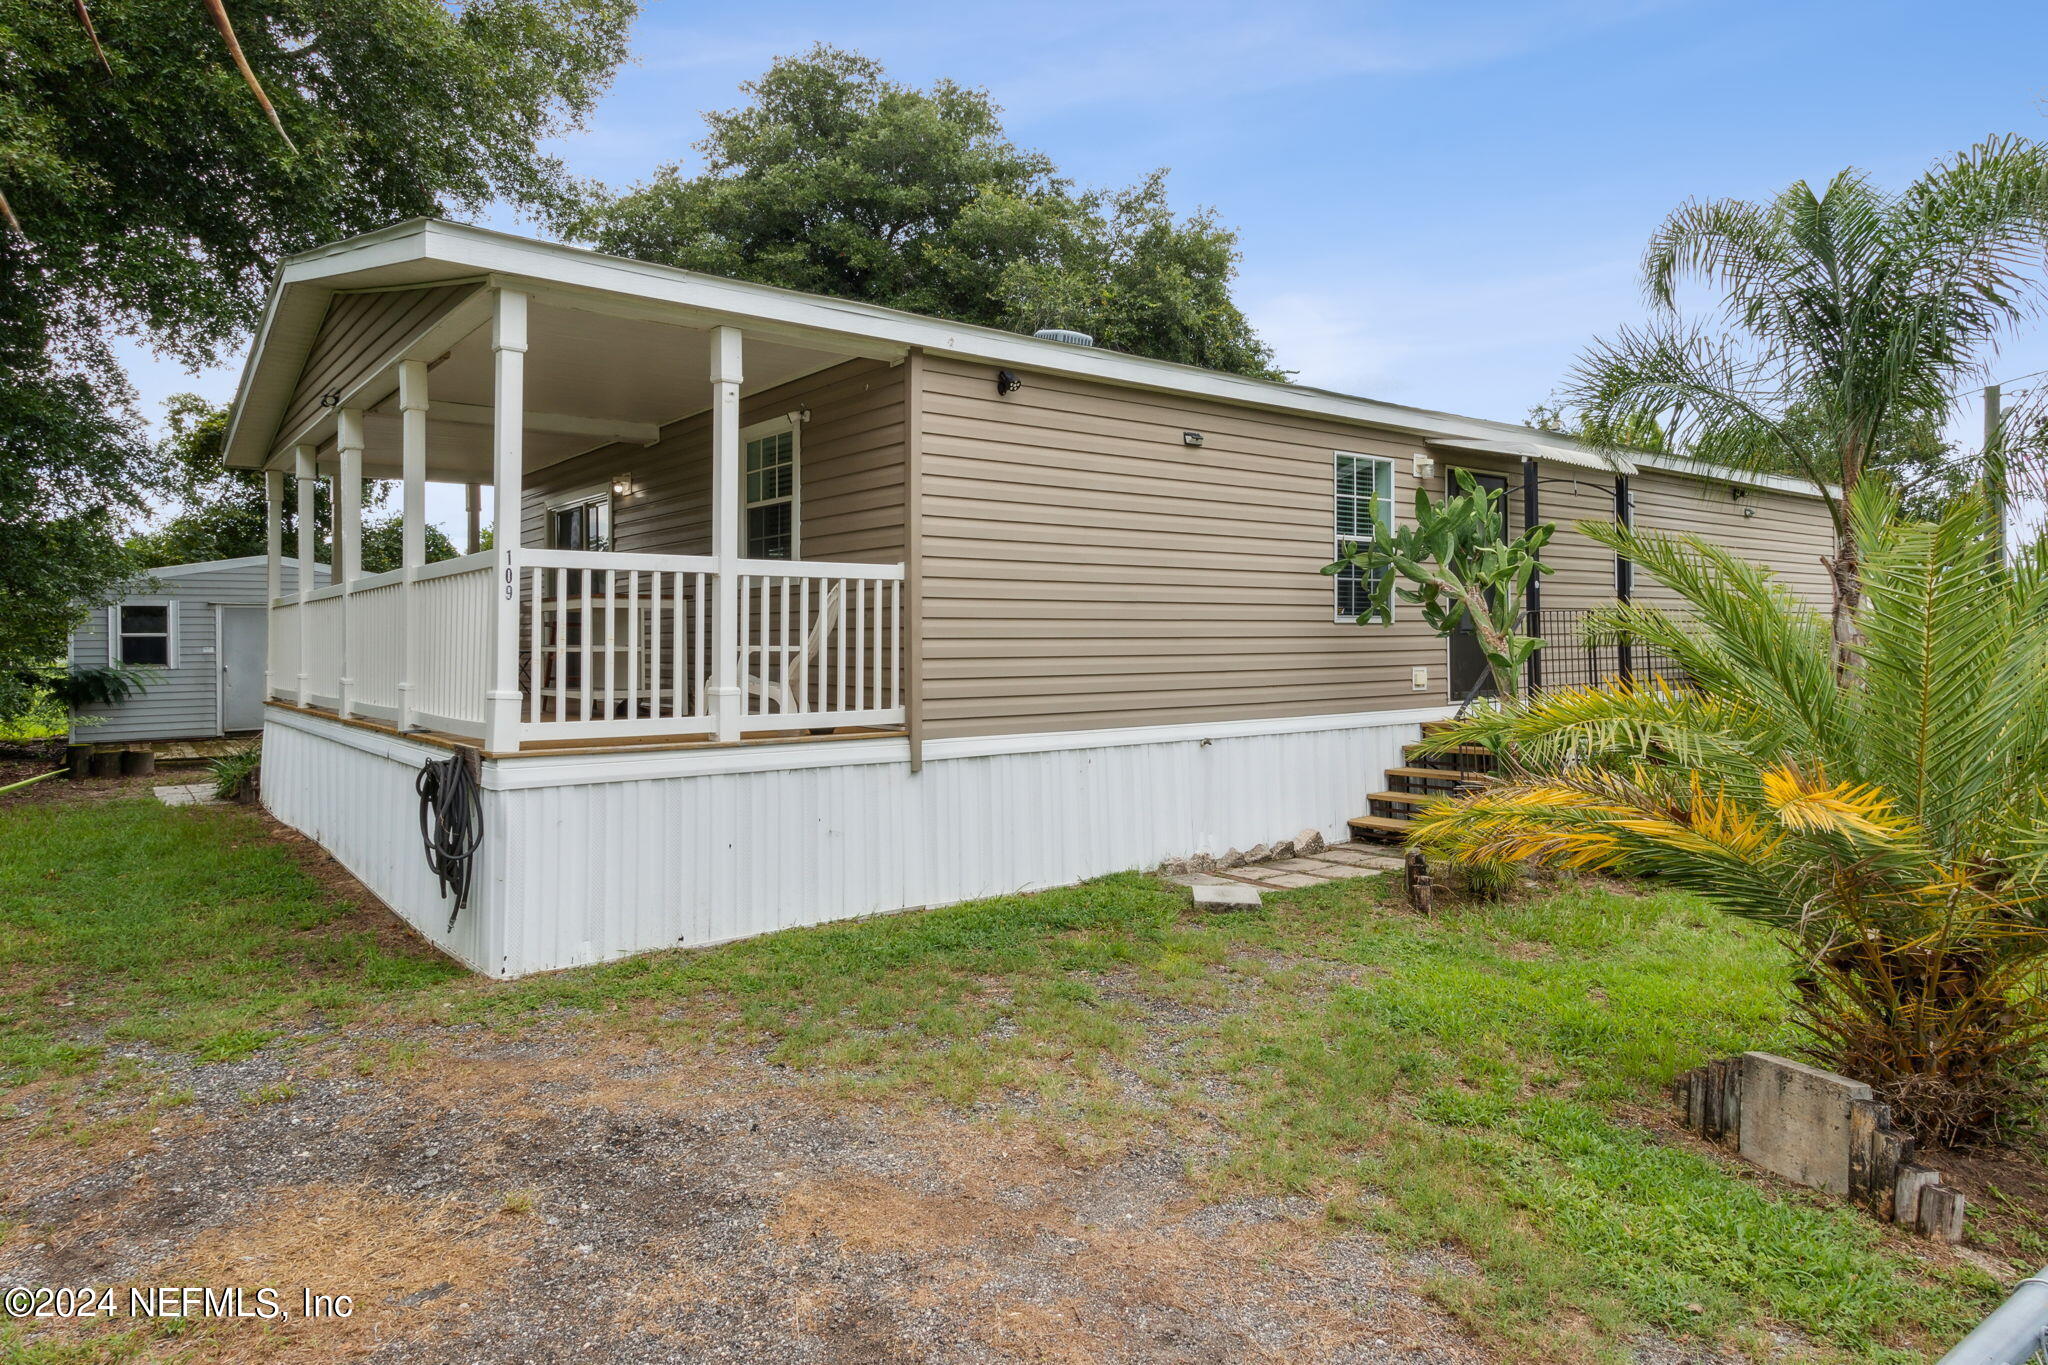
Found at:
<point>1483,346</point>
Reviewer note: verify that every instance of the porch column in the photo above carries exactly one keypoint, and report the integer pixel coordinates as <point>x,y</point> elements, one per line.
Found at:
<point>348,542</point>
<point>306,487</point>
<point>473,504</point>
<point>273,564</point>
<point>728,700</point>
<point>412,416</point>
<point>1624,573</point>
<point>508,456</point>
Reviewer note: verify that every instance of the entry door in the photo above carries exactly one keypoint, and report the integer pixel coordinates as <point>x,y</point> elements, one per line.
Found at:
<point>241,667</point>
<point>1467,664</point>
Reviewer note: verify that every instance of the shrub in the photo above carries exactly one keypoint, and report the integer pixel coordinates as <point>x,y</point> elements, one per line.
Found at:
<point>234,775</point>
<point>1889,818</point>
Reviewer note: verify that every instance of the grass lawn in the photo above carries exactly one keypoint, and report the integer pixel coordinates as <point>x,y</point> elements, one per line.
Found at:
<point>1487,1080</point>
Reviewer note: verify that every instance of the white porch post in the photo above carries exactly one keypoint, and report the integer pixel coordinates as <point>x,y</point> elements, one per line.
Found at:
<point>273,566</point>
<point>306,486</point>
<point>508,455</point>
<point>412,410</point>
<point>348,542</point>
<point>728,701</point>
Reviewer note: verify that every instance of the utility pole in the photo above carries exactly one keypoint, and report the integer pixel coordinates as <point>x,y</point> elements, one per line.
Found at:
<point>1995,471</point>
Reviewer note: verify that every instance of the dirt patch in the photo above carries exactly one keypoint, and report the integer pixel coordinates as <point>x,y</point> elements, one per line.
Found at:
<point>408,1265</point>
<point>2007,1192</point>
<point>586,1196</point>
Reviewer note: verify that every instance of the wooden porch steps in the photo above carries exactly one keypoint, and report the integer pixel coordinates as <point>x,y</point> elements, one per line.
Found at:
<point>1418,780</point>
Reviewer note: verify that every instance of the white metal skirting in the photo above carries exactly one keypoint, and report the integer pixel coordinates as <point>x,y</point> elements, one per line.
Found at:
<point>351,791</point>
<point>589,858</point>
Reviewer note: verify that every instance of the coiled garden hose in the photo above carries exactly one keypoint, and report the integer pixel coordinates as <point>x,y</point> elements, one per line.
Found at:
<point>451,822</point>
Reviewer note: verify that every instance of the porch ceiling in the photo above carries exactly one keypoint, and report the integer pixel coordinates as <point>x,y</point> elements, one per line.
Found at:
<point>584,370</point>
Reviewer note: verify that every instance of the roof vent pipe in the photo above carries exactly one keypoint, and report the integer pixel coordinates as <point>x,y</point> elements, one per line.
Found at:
<point>1061,334</point>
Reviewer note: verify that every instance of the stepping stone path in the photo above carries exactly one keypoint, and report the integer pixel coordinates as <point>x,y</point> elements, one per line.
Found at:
<point>1340,863</point>
<point>189,794</point>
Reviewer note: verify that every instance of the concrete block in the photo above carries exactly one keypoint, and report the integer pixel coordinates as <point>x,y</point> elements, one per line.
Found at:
<point>1231,896</point>
<point>1796,1120</point>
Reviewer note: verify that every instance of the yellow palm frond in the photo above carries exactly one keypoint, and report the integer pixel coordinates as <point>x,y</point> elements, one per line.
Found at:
<point>1808,806</point>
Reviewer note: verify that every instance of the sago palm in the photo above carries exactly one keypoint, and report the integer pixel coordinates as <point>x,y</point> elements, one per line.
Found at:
<point>1846,314</point>
<point>1891,823</point>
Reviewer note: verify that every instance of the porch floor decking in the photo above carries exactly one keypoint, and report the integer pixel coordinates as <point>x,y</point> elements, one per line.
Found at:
<point>620,744</point>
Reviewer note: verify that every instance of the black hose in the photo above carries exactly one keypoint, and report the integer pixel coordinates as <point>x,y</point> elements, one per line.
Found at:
<point>451,823</point>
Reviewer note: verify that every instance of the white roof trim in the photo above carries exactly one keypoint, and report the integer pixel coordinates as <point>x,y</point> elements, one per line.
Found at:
<point>209,565</point>
<point>1700,469</point>
<point>1530,450</point>
<point>425,250</point>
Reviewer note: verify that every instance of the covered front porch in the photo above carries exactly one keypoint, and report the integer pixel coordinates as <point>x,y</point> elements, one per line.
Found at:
<point>648,577</point>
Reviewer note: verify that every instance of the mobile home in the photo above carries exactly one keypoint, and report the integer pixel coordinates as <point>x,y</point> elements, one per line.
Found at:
<point>798,609</point>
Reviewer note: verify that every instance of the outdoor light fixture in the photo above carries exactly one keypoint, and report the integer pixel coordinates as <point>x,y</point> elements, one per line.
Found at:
<point>1007,383</point>
<point>1191,438</point>
<point>622,485</point>
<point>1425,468</point>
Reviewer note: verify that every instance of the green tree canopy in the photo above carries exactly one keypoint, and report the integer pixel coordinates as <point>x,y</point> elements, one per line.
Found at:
<point>224,508</point>
<point>150,195</point>
<point>835,180</point>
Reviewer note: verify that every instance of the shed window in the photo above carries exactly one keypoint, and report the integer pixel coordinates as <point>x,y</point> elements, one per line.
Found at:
<point>143,634</point>
<point>771,493</point>
<point>1364,483</point>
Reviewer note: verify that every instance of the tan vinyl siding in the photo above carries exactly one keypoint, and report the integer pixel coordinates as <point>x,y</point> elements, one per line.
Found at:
<point>1788,534</point>
<point>1083,568</point>
<point>850,468</point>
<point>1582,571</point>
<point>359,333</point>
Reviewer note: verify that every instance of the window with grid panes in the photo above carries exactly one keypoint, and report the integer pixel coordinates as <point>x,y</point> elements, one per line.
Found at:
<point>771,496</point>
<point>1365,483</point>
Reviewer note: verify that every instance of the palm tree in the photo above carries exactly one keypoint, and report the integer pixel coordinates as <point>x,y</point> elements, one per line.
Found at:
<point>1890,823</point>
<point>1845,314</point>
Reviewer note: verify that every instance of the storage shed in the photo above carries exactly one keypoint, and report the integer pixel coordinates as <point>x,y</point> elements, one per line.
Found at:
<point>201,629</point>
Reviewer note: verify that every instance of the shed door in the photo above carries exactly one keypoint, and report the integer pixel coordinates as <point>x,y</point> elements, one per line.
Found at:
<point>241,668</point>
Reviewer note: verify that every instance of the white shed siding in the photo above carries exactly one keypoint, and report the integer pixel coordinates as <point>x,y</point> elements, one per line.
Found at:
<point>587,858</point>
<point>183,701</point>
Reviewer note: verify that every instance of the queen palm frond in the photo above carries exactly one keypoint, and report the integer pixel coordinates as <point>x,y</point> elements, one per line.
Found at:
<point>1846,315</point>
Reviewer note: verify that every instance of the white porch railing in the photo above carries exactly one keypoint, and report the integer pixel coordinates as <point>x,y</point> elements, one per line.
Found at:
<point>820,643</point>
<point>611,645</point>
<point>620,644</point>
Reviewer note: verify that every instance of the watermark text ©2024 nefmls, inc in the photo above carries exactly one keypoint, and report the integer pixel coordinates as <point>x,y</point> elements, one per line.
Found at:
<point>172,1301</point>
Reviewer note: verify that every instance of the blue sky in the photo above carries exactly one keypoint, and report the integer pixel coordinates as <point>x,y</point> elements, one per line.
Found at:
<point>1439,204</point>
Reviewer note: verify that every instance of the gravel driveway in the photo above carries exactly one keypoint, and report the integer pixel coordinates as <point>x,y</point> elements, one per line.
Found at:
<point>567,1194</point>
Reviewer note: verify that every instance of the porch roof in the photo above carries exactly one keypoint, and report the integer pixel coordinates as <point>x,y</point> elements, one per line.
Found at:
<point>788,334</point>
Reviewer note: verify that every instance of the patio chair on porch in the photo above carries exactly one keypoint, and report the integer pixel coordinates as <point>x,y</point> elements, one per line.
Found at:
<point>783,674</point>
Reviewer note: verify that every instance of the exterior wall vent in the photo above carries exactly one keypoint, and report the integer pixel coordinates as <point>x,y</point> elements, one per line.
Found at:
<point>1061,334</point>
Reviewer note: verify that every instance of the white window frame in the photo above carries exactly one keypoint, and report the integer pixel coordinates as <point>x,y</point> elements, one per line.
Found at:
<point>1383,494</point>
<point>114,631</point>
<point>775,426</point>
<point>584,497</point>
